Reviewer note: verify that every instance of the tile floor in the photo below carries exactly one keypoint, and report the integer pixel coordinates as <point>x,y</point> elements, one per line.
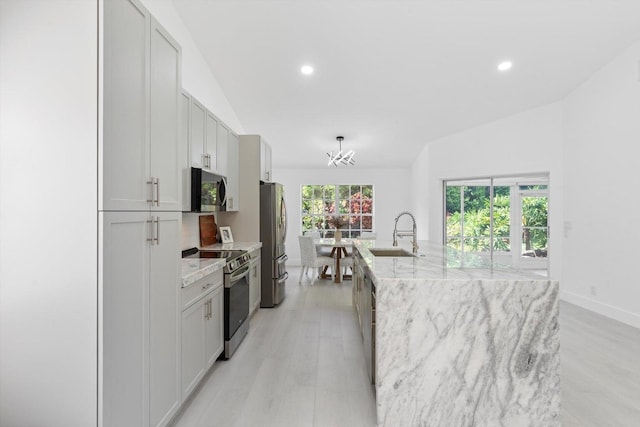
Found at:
<point>302,365</point>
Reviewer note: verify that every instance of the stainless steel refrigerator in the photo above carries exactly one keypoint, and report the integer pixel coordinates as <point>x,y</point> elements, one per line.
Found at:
<point>273,232</point>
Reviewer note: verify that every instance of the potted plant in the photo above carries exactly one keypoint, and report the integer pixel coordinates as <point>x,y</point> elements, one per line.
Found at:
<point>338,222</point>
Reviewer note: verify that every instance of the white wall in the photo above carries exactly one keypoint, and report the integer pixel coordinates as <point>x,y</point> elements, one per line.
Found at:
<point>48,213</point>
<point>528,142</point>
<point>391,195</point>
<point>602,180</point>
<point>197,77</point>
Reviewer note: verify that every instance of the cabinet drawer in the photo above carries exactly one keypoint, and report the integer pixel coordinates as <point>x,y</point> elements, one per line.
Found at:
<point>197,290</point>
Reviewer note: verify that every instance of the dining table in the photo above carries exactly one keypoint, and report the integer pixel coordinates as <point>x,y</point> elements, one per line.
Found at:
<point>338,251</point>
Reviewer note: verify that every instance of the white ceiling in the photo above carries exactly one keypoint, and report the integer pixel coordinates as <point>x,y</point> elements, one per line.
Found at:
<point>391,76</point>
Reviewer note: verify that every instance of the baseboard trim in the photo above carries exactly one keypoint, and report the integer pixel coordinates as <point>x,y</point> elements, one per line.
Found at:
<point>616,313</point>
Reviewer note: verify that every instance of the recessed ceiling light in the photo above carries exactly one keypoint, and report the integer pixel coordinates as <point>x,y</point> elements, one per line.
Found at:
<point>306,69</point>
<point>505,66</point>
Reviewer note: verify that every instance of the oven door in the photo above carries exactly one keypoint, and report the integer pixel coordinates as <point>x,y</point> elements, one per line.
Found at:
<point>236,300</point>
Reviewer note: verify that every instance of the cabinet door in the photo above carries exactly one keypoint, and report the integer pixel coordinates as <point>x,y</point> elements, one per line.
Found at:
<point>265,161</point>
<point>222,150</point>
<point>233,173</point>
<point>193,363</point>
<point>214,327</point>
<point>198,126</point>
<point>254,284</point>
<point>124,168</point>
<point>184,153</point>
<point>164,118</point>
<point>211,144</point>
<point>124,338</point>
<point>164,318</point>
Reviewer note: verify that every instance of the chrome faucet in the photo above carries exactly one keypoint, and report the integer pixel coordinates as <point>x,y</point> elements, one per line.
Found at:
<point>403,233</point>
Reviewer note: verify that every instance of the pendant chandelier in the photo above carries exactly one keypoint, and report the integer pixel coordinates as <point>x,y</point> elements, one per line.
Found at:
<point>341,157</point>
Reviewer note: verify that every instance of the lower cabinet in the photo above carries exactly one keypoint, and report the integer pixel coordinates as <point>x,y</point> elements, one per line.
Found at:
<point>202,329</point>
<point>255,275</point>
<point>139,349</point>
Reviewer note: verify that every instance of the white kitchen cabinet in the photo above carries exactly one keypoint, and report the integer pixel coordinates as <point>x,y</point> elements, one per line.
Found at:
<point>254,281</point>
<point>140,90</point>
<point>265,161</point>
<point>202,329</point>
<point>164,119</point>
<point>198,126</point>
<point>222,150</point>
<point>139,218</point>
<point>139,346</point>
<point>233,173</point>
<point>185,137</point>
<point>214,328</point>
<point>211,143</point>
<point>208,144</point>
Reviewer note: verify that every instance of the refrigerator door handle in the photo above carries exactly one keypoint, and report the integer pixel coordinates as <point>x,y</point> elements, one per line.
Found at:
<point>283,278</point>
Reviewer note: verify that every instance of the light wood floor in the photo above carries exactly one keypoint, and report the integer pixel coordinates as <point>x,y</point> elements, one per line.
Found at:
<point>302,365</point>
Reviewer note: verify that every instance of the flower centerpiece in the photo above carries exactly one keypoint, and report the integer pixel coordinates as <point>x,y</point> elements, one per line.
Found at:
<point>338,222</point>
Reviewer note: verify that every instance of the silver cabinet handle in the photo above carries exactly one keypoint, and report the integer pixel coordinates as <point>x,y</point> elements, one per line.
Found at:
<point>157,230</point>
<point>155,195</point>
<point>151,238</point>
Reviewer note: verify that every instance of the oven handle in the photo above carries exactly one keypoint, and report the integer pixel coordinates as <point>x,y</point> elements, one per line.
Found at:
<point>286,274</point>
<point>238,274</point>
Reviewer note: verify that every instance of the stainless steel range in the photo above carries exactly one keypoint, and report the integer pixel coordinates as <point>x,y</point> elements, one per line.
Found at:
<point>236,294</point>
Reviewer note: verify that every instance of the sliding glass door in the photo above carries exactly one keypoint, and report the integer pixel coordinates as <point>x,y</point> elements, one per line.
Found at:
<point>503,219</point>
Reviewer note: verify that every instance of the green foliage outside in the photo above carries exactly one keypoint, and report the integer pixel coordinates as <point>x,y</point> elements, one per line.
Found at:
<point>352,204</point>
<point>477,224</point>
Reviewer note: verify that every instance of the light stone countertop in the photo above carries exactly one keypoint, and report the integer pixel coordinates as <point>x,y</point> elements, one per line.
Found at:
<point>235,246</point>
<point>461,342</point>
<point>194,269</point>
<point>434,262</point>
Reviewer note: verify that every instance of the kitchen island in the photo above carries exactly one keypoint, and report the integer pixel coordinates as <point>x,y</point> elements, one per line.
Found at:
<point>461,342</point>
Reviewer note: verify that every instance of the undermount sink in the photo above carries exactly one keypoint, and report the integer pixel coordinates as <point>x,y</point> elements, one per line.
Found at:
<point>390,252</point>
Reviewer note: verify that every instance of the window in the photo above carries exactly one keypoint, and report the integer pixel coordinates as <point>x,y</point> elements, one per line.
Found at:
<point>351,204</point>
<point>502,218</point>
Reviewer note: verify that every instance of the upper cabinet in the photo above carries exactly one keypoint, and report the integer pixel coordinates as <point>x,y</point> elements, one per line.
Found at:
<point>141,100</point>
<point>203,145</point>
<point>233,173</point>
<point>265,161</point>
<point>211,144</point>
<point>222,158</point>
<point>197,145</point>
<point>207,143</point>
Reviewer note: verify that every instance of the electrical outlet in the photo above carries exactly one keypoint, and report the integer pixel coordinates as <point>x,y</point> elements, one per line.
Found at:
<point>567,228</point>
<point>593,290</point>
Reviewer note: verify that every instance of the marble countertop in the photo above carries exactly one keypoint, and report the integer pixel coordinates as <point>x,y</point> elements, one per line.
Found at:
<point>194,269</point>
<point>235,246</point>
<point>461,341</point>
<point>434,262</point>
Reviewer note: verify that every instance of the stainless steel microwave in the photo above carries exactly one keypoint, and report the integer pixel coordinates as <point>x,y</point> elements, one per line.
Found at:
<point>208,191</point>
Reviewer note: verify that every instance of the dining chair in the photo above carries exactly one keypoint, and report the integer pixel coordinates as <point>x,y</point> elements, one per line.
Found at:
<point>345,263</point>
<point>310,258</point>
<point>322,251</point>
